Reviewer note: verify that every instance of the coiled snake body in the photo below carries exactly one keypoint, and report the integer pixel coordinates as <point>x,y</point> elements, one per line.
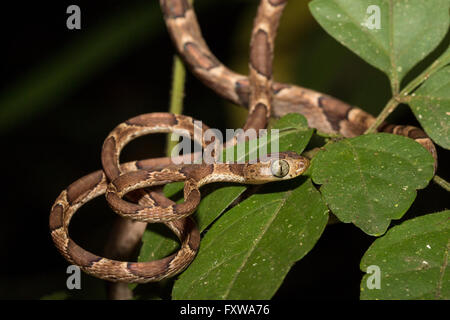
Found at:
<point>263,98</point>
<point>141,174</point>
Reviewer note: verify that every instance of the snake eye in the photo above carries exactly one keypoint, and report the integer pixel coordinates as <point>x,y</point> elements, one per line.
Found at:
<point>280,168</point>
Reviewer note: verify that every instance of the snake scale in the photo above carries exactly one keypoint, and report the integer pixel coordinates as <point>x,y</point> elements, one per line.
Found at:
<point>258,92</point>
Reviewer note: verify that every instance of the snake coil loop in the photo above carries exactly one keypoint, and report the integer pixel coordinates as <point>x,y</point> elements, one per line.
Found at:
<point>263,98</point>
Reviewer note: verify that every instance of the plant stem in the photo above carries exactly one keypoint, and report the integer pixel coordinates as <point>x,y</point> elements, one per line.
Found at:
<point>404,95</point>
<point>435,66</point>
<point>176,96</point>
<point>311,153</point>
<point>388,109</point>
<point>444,184</point>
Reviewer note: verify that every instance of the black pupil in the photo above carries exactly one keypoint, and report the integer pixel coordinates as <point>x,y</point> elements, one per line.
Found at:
<point>280,168</point>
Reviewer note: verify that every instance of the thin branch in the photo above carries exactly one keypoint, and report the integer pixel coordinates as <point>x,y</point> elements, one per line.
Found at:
<point>404,95</point>
<point>388,109</point>
<point>435,66</point>
<point>176,96</point>
<point>441,182</point>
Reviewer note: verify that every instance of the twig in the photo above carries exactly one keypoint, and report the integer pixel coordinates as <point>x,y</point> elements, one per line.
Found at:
<point>404,95</point>
<point>435,66</point>
<point>444,184</point>
<point>388,109</point>
<point>176,96</point>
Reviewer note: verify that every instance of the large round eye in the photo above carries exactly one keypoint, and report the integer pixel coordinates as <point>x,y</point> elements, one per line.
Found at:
<point>280,168</point>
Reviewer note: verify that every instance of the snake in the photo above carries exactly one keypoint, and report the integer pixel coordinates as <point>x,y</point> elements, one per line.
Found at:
<point>262,96</point>
<point>117,181</point>
<point>141,174</point>
<point>90,187</point>
<point>323,112</point>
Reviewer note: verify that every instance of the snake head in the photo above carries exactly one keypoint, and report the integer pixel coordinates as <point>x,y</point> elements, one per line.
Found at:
<point>276,167</point>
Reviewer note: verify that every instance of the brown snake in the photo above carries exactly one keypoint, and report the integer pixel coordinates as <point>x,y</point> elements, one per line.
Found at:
<point>126,179</point>
<point>263,97</point>
<point>140,174</point>
<point>323,112</point>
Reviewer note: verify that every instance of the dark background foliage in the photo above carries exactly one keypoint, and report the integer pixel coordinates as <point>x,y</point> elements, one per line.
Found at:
<point>62,92</point>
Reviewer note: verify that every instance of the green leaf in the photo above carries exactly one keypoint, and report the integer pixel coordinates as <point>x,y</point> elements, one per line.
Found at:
<point>412,259</point>
<point>248,252</point>
<point>370,180</point>
<point>443,60</point>
<point>294,135</point>
<point>409,30</point>
<point>158,242</point>
<point>294,132</point>
<point>215,203</point>
<point>431,106</point>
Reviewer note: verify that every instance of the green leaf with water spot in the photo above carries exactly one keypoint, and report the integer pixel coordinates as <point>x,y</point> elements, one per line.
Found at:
<point>247,253</point>
<point>431,106</point>
<point>412,259</point>
<point>408,31</point>
<point>370,180</point>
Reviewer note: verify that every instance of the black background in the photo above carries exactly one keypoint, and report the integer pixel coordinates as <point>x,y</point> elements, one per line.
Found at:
<point>54,141</point>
